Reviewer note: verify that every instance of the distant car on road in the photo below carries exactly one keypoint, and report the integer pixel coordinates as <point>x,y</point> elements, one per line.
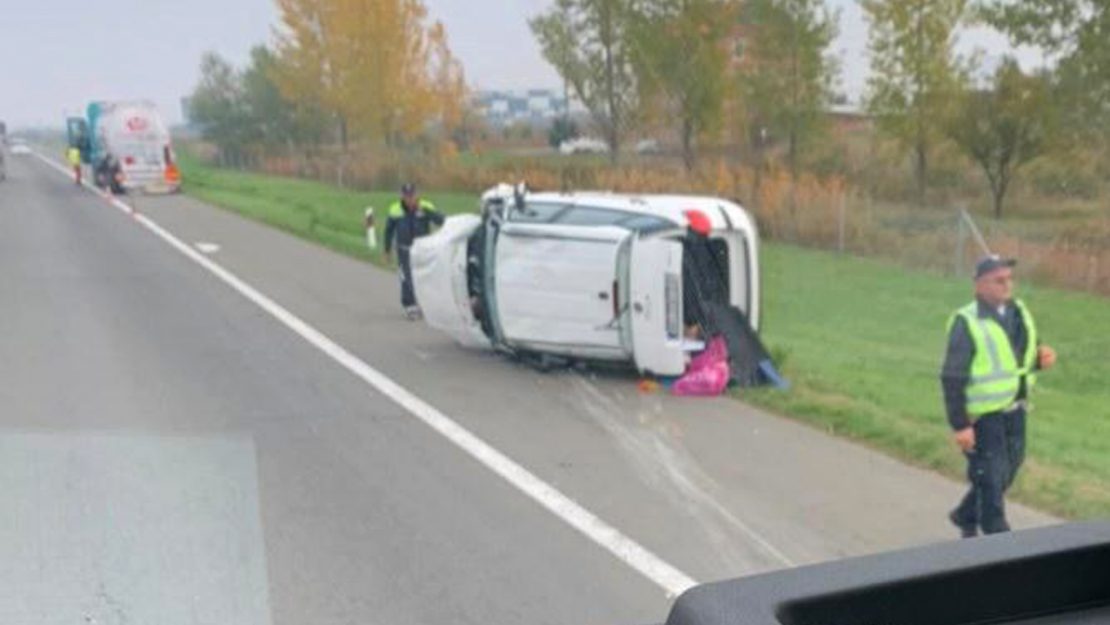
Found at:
<point>584,145</point>
<point>19,147</point>
<point>590,276</point>
<point>648,146</point>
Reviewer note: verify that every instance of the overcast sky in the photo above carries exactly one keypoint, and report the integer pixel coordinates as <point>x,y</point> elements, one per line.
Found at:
<point>56,55</point>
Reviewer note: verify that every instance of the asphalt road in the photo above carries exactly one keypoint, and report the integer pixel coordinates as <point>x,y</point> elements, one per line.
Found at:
<point>169,452</point>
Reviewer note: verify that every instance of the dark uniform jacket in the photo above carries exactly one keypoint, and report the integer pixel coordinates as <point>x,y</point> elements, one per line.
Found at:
<point>408,225</point>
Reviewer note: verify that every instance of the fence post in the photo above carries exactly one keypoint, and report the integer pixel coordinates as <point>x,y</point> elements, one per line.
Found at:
<point>961,236</point>
<point>1092,272</point>
<point>842,217</point>
<point>983,247</point>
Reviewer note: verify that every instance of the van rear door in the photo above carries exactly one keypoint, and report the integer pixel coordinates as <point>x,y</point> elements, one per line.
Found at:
<point>655,305</point>
<point>555,288</point>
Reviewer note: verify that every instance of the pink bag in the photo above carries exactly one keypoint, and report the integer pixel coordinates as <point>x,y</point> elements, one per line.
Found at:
<point>716,351</point>
<point>707,382</point>
<point>707,374</point>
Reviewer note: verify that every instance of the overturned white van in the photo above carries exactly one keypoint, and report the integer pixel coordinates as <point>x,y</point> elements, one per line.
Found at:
<point>636,279</point>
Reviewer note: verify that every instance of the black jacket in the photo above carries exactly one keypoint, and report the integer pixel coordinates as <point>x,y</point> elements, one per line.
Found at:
<point>407,225</point>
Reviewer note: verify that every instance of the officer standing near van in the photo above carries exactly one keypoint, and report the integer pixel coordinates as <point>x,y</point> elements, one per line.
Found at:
<point>409,219</point>
<point>989,370</point>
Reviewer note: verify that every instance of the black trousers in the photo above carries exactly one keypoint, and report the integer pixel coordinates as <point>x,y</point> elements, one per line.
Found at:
<point>991,469</point>
<point>408,295</point>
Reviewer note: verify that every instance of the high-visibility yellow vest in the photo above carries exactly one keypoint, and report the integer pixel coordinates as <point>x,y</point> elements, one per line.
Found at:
<point>995,371</point>
<point>397,209</point>
<point>74,156</point>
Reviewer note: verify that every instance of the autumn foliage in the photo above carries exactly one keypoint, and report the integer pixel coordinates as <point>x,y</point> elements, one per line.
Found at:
<point>378,66</point>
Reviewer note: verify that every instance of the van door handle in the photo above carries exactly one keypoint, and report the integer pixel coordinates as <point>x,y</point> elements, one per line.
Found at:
<point>602,295</point>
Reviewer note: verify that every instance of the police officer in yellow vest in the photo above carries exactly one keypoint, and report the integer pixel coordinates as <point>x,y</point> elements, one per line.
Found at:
<point>989,370</point>
<point>409,219</point>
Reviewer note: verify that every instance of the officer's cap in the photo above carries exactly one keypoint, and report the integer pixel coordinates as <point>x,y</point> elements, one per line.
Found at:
<point>990,262</point>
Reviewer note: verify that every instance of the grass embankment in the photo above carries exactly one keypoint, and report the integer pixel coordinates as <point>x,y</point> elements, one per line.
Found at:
<point>862,341</point>
<point>324,214</point>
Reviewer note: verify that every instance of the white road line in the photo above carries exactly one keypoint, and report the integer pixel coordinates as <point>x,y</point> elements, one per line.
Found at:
<point>206,247</point>
<point>669,578</point>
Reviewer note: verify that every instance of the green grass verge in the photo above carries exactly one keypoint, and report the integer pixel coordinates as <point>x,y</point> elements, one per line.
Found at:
<point>318,212</point>
<point>863,341</point>
<point>860,340</point>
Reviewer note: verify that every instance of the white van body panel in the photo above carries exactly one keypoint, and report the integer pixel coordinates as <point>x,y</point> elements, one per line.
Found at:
<point>555,288</point>
<point>728,220</point>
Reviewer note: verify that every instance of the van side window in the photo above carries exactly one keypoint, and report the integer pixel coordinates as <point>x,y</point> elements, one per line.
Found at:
<point>646,223</point>
<point>537,213</point>
<point>569,215</point>
<point>584,216</point>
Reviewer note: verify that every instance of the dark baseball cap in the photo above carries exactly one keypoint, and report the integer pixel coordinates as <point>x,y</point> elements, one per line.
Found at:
<point>408,189</point>
<point>991,262</point>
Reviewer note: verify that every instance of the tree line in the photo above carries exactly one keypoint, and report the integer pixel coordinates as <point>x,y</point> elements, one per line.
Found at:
<point>757,73</point>
<point>376,72</point>
<point>766,66</point>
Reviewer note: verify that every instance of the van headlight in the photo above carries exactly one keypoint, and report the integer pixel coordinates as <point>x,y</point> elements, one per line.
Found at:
<point>673,295</point>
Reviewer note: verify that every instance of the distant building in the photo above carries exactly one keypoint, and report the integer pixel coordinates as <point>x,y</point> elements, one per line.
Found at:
<point>848,117</point>
<point>502,108</point>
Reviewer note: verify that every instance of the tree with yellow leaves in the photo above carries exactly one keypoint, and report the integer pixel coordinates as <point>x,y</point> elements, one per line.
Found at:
<point>378,66</point>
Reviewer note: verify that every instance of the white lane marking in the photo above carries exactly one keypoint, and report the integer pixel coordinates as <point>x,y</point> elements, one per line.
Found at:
<point>668,577</point>
<point>207,248</point>
<point>648,448</point>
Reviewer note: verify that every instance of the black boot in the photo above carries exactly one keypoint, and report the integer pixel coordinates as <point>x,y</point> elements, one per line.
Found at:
<point>966,530</point>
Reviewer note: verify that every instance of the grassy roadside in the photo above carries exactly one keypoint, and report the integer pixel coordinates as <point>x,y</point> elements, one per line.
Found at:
<point>862,342</point>
<point>321,213</point>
